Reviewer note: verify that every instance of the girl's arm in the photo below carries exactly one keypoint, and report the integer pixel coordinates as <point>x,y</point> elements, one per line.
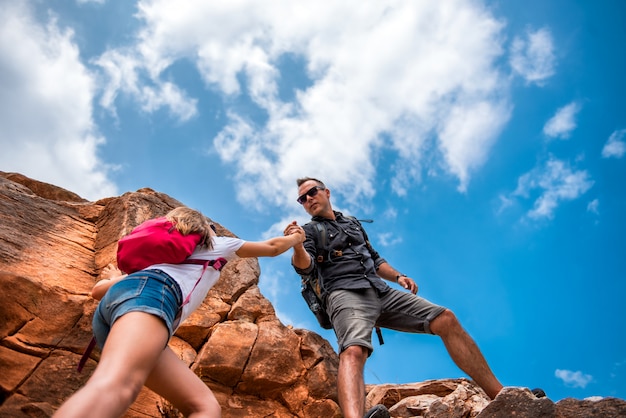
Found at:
<point>111,275</point>
<point>103,285</point>
<point>273,246</point>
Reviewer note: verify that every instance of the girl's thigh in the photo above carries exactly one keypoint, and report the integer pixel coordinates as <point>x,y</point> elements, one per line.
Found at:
<point>174,381</point>
<point>133,347</point>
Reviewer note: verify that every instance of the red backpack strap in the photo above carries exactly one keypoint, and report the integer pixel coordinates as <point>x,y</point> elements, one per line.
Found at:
<point>86,354</point>
<point>218,264</point>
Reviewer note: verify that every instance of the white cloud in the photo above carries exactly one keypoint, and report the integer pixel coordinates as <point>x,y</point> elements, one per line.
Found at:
<point>563,122</point>
<point>556,182</point>
<point>389,239</point>
<point>593,206</point>
<point>390,213</point>
<point>616,145</point>
<point>574,379</point>
<point>533,57</point>
<point>46,126</point>
<point>503,203</point>
<point>468,135</point>
<point>417,78</point>
<point>125,74</point>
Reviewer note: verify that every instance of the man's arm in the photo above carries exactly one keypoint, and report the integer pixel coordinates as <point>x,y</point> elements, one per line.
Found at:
<point>300,258</point>
<point>384,269</point>
<point>389,273</point>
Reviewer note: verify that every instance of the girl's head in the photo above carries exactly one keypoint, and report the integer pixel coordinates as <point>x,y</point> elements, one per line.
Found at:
<point>187,221</point>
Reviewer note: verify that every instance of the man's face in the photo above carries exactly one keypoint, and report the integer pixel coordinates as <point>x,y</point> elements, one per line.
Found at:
<point>317,204</point>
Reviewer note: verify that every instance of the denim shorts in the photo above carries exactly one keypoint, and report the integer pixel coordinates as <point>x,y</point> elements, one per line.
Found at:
<point>150,291</point>
<point>354,313</point>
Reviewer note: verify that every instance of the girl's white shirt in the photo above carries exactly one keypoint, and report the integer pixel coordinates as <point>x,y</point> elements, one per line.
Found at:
<point>186,275</point>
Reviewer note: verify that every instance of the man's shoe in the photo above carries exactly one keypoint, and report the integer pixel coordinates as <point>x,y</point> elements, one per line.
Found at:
<point>539,393</point>
<point>378,411</point>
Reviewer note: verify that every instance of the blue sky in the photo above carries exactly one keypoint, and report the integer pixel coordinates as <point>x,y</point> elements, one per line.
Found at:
<point>486,139</point>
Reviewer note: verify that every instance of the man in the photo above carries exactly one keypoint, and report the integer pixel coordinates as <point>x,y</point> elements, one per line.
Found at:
<point>357,300</point>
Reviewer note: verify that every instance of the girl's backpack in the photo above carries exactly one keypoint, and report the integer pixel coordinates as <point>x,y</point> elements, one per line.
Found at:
<point>155,241</point>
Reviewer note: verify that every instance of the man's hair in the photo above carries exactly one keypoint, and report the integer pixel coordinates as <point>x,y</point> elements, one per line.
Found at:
<point>187,221</point>
<point>302,180</point>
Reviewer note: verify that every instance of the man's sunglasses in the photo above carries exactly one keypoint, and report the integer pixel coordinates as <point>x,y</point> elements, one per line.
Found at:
<point>311,192</point>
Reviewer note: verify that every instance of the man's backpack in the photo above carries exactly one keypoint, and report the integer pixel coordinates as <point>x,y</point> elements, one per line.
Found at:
<point>312,283</point>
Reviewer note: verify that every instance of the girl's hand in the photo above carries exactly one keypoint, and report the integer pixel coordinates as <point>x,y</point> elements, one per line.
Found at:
<point>109,275</point>
<point>290,227</point>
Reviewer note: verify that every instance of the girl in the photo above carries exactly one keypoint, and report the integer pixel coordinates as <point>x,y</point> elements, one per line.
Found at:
<point>139,313</point>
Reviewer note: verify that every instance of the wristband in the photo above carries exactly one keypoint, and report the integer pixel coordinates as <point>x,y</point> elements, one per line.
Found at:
<point>400,275</point>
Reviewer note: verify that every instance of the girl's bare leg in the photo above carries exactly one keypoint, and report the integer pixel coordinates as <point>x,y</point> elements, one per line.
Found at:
<point>132,349</point>
<point>174,381</point>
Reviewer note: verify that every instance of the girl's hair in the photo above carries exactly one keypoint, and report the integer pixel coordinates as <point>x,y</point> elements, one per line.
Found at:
<point>187,221</point>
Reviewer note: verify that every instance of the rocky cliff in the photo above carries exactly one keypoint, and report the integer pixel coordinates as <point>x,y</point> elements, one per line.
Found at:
<point>53,244</point>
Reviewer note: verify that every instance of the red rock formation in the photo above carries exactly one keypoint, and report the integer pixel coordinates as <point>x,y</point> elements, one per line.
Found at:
<point>53,244</point>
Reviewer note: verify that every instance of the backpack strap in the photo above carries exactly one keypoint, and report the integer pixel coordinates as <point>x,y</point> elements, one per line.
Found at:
<point>86,354</point>
<point>218,264</point>
<point>321,235</point>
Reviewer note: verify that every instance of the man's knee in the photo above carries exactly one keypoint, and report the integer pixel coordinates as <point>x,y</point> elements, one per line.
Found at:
<point>354,353</point>
<point>445,322</point>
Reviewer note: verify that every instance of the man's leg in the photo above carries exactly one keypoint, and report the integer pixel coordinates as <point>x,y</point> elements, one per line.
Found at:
<point>465,352</point>
<point>351,385</point>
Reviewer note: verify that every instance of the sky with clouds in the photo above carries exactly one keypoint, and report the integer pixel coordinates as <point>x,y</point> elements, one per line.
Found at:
<point>486,139</point>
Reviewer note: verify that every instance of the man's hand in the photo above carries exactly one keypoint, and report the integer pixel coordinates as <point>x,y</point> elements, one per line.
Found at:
<point>408,284</point>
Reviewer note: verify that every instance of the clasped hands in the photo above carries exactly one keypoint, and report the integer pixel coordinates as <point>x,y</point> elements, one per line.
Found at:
<point>294,228</point>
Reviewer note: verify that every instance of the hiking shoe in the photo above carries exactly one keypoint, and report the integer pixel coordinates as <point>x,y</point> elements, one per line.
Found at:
<point>378,411</point>
<point>539,393</point>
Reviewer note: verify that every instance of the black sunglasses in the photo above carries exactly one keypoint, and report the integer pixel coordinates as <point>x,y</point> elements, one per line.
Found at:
<point>311,192</point>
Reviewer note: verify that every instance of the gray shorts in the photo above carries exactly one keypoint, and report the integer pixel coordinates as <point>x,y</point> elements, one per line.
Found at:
<point>354,313</point>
